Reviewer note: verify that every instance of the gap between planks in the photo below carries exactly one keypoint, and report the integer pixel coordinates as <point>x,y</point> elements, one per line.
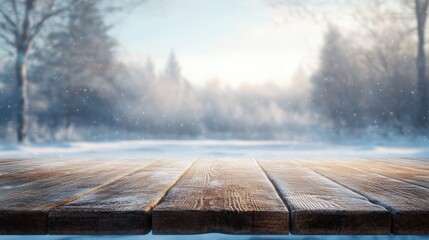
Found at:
<point>123,207</point>
<point>222,195</point>
<point>25,208</point>
<point>318,205</point>
<point>407,203</point>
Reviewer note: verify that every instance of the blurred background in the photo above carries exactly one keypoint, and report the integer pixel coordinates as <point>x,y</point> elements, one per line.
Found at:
<point>309,70</point>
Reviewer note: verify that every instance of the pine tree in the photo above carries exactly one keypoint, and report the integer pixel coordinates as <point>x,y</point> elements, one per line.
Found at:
<point>336,87</point>
<point>172,69</point>
<point>79,62</point>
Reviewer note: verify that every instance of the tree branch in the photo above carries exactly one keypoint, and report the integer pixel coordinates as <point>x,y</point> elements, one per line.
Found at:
<point>35,29</point>
<point>15,11</point>
<point>48,13</point>
<point>7,27</point>
<point>302,8</point>
<point>13,26</point>
<point>6,39</point>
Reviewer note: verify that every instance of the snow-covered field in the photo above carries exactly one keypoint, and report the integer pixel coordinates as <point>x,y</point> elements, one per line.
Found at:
<point>214,148</point>
<point>207,149</point>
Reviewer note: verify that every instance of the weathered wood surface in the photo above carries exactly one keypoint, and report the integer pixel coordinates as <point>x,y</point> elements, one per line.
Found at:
<point>318,205</point>
<point>408,203</point>
<point>14,166</point>
<point>100,196</point>
<point>122,207</point>
<point>422,164</point>
<point>10,167</point>
<point>27,196</point>
<point>228,196</point>
<point>413,175</point>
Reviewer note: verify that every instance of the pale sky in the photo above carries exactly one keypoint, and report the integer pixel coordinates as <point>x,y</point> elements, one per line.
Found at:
<point>234,41</point>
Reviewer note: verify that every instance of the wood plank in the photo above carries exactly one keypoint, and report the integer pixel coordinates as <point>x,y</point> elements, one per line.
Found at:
<point>318,205</point>
<point>11,166</point>
<point>421,164</point>
<point>227,196</point>
<point>27,197</point>
<point>392,170</point>
<point>24,166</point>
<point>408,204</point>
<point>4,161</point>
<point>20,175</point>
<point>122,207</point>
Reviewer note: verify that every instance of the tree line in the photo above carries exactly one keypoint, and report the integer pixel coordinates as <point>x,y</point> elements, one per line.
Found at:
<point>376,77</point>
<point>60,80</point>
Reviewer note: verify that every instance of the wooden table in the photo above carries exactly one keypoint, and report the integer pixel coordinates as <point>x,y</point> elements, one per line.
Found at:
<point>236,196</point>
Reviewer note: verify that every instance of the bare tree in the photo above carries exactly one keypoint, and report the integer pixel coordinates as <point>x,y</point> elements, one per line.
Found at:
<point>20,22</point>
<point>421,7</point>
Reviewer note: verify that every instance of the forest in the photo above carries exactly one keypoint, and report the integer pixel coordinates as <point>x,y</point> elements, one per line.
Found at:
<point>61,80</point>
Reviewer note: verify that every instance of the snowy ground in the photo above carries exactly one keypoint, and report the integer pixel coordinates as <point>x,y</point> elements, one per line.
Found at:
<point>212,148</point>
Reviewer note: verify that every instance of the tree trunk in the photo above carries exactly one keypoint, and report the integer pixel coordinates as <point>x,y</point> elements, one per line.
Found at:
<point>22,99</point>
<point>421,8</point>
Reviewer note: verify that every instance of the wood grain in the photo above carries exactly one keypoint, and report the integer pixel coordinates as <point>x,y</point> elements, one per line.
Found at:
<point>101,196</point>
<point>122,207</point>
<point>393,170</point>
<point>408,203</point>
<point>228,196</point>
<point>14,166</point>
<point>421,164</point>
<point>31,166</point>
<point>320,206</point>
<point>27,196</point>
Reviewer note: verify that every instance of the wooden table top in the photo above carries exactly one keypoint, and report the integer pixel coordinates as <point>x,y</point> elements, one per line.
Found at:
<point>235,196</point>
